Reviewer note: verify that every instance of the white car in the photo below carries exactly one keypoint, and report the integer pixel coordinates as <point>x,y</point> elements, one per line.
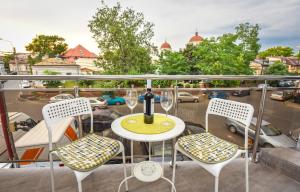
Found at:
<point>261,86</point>
<point>185,96</point>
<point>281,95</point>
<point>95,102</point>
<point>25,84</point>
<point>61,97</point>
<point>270,136</point>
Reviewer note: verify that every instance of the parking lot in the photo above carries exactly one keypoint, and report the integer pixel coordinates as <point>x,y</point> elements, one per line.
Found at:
<point>283,115</point>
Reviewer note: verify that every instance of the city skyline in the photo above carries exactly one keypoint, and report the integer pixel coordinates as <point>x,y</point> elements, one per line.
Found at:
<point>175,22</point>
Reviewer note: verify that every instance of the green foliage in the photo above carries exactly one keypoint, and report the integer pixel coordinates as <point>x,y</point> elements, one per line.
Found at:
<point>298,55</point>
<point>52,84</point>
<point>6,59</point>
<point>229,54</point>
<point>277,68</point>
<point>69,84</point>
<point>162,83</point>
<point>86,83</point>
<point>191,60</point>
<point>276,51</point>
<point>41,45</point>
<point>247,36</point>
<point>221,56</point>
<point>173,63</point>
<point>123,36</point>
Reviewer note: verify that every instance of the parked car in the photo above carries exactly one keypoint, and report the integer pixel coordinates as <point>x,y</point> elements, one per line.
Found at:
<point>61,97</point>
<point>281,95</point>
<point>241,93</point>
<point>102,120</point>
<point>156,98</point>
<point>25,84</point>
<point>112,100</point>
<point>99,103</point>
<point>297,98</point>
<point>270,136</point>
<point>218,94</point>
<point>39,84</point>
<point>286,83</point>
<point>20,121</point>
<point>13,73</point>
<point>260,86</point>
<point>295,134</point>
<point>185,96</point>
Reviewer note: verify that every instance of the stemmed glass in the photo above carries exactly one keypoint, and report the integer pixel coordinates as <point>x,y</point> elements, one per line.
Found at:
<point>131,99</point>
<point>166,100</point>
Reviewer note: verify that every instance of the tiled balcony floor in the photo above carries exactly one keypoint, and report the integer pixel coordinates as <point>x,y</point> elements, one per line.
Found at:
<point>189,178</point>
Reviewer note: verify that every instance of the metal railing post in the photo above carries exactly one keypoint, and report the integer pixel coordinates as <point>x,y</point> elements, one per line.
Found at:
<point>176,114</point>
<point>78,118</point>
<point>176,100</point>
<point>8,137</point>
<point>259,121</point>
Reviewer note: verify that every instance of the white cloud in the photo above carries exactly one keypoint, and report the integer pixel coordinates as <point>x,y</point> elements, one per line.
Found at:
<point>174,20</point>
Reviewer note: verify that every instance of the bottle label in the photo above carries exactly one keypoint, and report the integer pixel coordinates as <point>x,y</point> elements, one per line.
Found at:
<point>151,107</point>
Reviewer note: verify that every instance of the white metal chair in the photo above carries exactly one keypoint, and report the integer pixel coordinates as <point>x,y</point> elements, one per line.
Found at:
<point>84,155</point>
<point>211,152</point>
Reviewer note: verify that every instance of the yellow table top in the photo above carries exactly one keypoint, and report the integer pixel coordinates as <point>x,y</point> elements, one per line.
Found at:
<point>136,124</point>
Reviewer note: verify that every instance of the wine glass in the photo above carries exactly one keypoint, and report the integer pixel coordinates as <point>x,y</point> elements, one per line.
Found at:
<point>131,99</point>
<point>166,100</point>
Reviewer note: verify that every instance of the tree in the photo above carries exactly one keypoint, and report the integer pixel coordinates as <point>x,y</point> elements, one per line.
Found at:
<point>123,37</point>
<point>247,35</point>
<point>277,68</point>
<point>188,53</point>
<point>221,56</point>
<point>173,63</point>
<point>6,60</point>
<point>53,83</point>
<point>276,51</point>
<point>42,45</point>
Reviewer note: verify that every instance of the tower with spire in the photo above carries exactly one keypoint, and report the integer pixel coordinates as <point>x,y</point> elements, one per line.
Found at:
<point>196,39</point>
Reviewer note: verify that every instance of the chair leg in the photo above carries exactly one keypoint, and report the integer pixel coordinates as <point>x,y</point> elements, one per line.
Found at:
<point>247,171</point>
<point>174,167</point>
<point>79,185</point>
<point>81,176</point>
<point>125,172</point>
<point>216,184</point>
<point>52,172</point>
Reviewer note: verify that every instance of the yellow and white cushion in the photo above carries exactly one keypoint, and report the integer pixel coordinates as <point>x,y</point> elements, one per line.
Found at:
<point>88,152</point>
<point>207,148</point>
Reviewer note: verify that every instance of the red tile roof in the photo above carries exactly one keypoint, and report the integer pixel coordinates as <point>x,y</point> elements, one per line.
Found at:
<point>196,38</point>
<point>291,61</point>
<point>165,45</point>
<point>79,52</point>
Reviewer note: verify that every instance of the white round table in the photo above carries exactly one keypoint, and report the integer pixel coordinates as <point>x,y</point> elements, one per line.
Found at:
<point>141,170</point>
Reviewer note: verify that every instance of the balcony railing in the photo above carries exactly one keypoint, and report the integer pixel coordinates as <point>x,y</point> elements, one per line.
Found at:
<point>261,96</point>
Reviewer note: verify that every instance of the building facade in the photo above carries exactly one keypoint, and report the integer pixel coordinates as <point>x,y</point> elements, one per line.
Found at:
<point>82,57</point>
<point>56,65</point>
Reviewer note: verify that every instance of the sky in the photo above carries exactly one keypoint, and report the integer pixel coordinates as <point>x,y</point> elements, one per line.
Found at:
<point>175,20</point>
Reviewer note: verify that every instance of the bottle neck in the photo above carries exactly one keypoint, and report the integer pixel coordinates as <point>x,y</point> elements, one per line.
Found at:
<point>148,89</point>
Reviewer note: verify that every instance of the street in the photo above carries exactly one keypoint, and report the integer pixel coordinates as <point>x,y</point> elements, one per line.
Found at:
<point>283,115</point>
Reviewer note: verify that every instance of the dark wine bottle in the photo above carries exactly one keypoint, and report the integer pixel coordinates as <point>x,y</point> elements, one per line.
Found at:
<point>148,105</point>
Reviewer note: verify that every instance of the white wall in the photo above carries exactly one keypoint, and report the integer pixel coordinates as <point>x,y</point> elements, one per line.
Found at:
<point>63,70</point>
<point>2,69</point>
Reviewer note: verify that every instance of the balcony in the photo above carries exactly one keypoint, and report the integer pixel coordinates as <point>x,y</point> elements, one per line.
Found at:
<point>275,169</point>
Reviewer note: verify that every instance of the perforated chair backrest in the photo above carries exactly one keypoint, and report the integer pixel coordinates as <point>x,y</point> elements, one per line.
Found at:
<point>54,112</point>
<point>240,112</point>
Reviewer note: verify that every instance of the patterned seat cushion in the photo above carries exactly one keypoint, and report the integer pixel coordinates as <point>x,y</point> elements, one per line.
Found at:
<point>88,152</point>
<point>207,148</point>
